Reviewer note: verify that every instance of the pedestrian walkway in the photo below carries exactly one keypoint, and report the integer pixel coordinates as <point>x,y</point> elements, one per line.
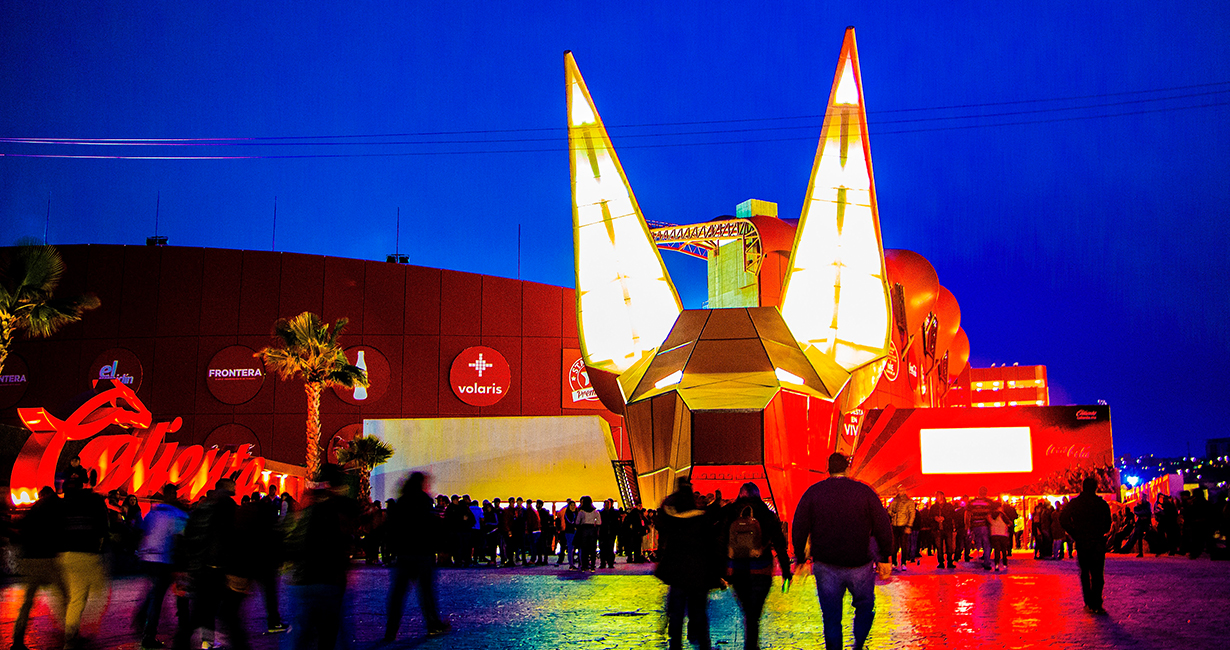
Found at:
<point>1154,603</point>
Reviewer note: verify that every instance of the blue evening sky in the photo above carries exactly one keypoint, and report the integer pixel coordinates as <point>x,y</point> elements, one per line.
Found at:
<point>1094,245</point>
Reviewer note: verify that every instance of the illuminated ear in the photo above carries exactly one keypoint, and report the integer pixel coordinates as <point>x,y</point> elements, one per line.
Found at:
<point>626,303</point>
<point>835,298</point>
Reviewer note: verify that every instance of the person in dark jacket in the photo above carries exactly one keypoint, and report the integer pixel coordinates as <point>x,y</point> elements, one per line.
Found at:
<point>943,529</point>
<point>210,542</point>
<point>82,536</point>
<point>749,568</point>
<point>841,517</point>
<point>687,564</point>
<point>413,528</point>
<point>612,519</point>
<point>318,548</point>
<point>38,538</point>
<point>1087,519</point>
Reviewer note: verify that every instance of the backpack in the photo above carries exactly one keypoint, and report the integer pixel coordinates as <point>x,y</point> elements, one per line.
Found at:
<point>745,539</point>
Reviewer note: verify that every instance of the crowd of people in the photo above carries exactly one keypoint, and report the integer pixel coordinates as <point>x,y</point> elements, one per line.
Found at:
<point>211,555</point>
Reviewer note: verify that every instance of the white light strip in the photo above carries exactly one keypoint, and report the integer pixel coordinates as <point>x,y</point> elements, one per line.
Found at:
<point>788,378</point>
<point>673,378</point>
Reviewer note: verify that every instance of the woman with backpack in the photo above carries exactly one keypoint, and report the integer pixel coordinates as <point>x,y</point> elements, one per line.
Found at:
<point>750,533</point>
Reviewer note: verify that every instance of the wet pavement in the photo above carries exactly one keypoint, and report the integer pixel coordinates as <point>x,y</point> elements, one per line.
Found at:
<point>1154,603</point>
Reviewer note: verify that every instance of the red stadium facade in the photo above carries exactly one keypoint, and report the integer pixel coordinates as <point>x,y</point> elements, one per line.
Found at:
<point>179,326</point>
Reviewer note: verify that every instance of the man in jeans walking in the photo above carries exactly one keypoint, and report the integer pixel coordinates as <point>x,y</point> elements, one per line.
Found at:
<point>978,520</point>
<point>840,516</point>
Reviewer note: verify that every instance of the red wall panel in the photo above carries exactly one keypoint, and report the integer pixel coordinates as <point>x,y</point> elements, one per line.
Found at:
<point>568,315</point>
<point>501,311</point>
<point>383,311</point>
<point>173,376</point>
<point>139,298</point>
<point>460,303</point>
<point>105,279</point>
<point>220,292</point>
<point>344,292</point>
<point>420,375</point>
<point>302,285</point>
<point>541,375</point>
<point>179,291</point>
<point>540,314</point>
<point>422,307</point>
<point>258,292</point>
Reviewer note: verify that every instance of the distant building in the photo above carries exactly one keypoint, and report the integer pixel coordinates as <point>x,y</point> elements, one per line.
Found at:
<point>1009,386</point>
<point>1215,447</point>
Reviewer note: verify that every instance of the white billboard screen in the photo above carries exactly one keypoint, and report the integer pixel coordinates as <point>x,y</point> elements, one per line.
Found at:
<point>981,450</point>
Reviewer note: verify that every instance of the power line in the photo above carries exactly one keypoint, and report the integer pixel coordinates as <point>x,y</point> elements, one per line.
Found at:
<point>212,142</point>
<point>562,149</point>
<point>225,140</point>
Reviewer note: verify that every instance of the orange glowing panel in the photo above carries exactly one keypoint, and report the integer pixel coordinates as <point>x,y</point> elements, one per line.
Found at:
<point>626,303</point>
<point>835,298</point>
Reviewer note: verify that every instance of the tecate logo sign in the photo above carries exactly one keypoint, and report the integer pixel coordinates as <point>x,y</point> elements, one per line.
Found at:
<point>480,376</point>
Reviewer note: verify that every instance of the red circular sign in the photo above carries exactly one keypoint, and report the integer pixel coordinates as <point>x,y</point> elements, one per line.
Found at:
<point>578,383</point>
<point>117,364</point>
<point>13,381</point>
<point>480,376</point>
<point>894,362</point>
<point>377,367</point>
<point>233,435</point>
<point>234,375</point>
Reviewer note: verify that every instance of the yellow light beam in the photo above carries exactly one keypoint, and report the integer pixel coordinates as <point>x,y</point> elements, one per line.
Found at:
<point>835,299</point>
<point>626,303</point>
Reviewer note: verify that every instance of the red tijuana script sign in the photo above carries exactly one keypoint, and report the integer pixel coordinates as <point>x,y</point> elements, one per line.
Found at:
<point>141,463</point>
<point>480,376</point>
<point>234,375</point>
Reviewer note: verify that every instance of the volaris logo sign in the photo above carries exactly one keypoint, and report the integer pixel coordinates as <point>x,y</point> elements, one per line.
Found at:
<point>480,376</point>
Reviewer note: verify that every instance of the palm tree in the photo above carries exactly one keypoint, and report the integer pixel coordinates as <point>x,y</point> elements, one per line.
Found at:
<point>29,275</point>
<point>306,348</point>
<point>364,454</point>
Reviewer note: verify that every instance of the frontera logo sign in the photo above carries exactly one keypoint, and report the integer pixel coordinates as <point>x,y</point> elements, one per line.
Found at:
<point>140,463</point>
<point>234,375</point>
<point>480,376</point>
<point>116,364</point>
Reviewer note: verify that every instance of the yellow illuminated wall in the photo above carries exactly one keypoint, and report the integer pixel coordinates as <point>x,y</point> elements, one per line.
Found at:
<point>626,304</point>
<point>835,298</point>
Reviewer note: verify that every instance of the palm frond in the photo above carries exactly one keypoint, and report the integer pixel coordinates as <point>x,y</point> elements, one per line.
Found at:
<point>366,452</point>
